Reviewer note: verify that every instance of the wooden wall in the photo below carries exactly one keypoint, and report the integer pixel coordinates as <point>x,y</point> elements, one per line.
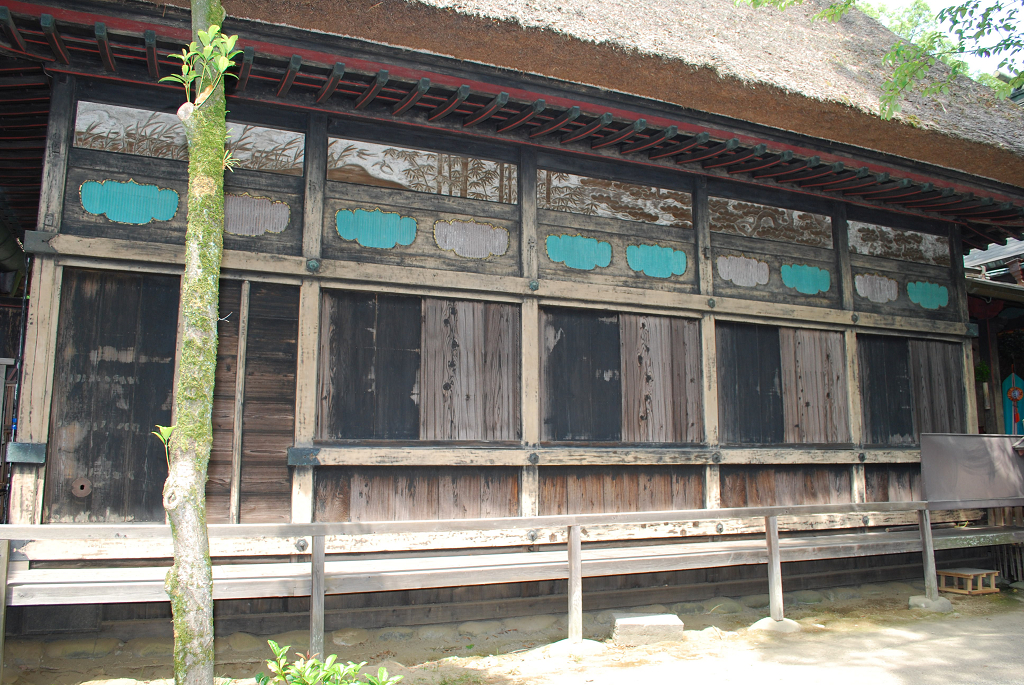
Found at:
<point>764,486</point>
<point>268,418</point>
<point>893,482</point>
<point>112,383</point>
<point>599,490</point>
<point>385,493</point>
<point>219,472</point>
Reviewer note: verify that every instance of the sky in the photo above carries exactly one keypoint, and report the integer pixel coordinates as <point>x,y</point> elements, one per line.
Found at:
<point>987,65</point>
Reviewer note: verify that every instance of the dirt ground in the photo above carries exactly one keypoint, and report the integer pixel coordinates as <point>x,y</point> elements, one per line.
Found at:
<point>861,639</point>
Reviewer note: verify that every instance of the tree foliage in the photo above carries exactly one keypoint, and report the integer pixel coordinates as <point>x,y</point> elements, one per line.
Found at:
<point>984,29</point>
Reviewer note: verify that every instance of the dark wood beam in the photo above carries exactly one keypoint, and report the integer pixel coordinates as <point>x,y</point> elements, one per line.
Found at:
<point>708,153</point>
<point>487,111</point>
<point>807,175</point>
<point>331,84</point>
<point>248,54</point>
<point>619,136</point>
<point>974,243</point>
<point>294,64</point>
<point>590,129</point>
<point>935,195</point>
<point>53,39</point>
<point>103,42</point>
<point>737,158</point>
<point>524,116</point>
<point>414,96</point>
<point>558,122</point>
<point>895,186</point>
<point>763,163</point>
<point>987,207</point>
<point>149,38</point>
<point>776,171</point>
<point>449,105</point>
<point>951,199</point>
<point>372,90</point>
<point>901,196</point>
<point>11,31</point>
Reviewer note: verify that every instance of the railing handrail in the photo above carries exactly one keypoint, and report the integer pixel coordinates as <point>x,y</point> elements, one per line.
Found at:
<point>143,531</point>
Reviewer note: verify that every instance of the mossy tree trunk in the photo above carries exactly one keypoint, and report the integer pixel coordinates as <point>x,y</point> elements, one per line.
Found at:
<point>189,582</point>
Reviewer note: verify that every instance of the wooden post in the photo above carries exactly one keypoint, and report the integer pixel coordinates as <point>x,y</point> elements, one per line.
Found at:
<point>305,396</point>
<point>858,484</point>
<point>316,179</point>
<point>931,588</point>
<point>529,478</point>
<point>841,248</point>
<point>702,231</point>
<point>771,529</point>
<point>709,380</point>
<point>316,597</point>
<point>970,398</point>
<point>712,487</point>
<point>575,585</point>
<point>236,435</point>
<point>529,491</point>
<point>5,556</point>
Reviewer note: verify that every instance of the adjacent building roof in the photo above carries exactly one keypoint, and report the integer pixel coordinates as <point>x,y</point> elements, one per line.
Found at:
<point>761,65</point>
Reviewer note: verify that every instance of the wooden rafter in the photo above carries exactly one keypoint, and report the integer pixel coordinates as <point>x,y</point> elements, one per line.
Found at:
<point>487,111</point>
<point>11,31</point>
<point>557,123</point>
<point>620,136</point>
<point>528,113</point>
<point>678,148</point>
<point>449,105</point>
<point>373,89</point>
<point>103,41</point>
<point>290,72</point>
<point>737,158</point>
<point>811,173</point>
<point>331,84</point>
<point>415,95</point>
<point>777,171</point>
<point>152,65</point>
<point>764,163</point>
<point>245,70</point>
<point>839,179</point>
<point>593,127</point>
<point>53,39</point>
<point>865,182</point>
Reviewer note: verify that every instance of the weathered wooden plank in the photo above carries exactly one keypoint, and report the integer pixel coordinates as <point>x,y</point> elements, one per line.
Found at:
<point>886,391</point>
<point>686,381</point>
<point>567,455</point>
<point>451,378</point>
<point>268,417</point>
<point>646,355</point>
<point>581,372</point>
<point>219,472</point>
<point>702,235</point>
<point>115,367</point>
<point>814,386</point>
<point>239,403</point>
<point>749,377</point>
<point>709,376</point>
<point>501,372</point>
<point>307,353</point>
<point>332,494</point>
<point>841,244</point>
<point>59,133</point>
<point>530,371</point>
<point>752,486</point>
<point>936,376</point>
<point>25,503</point>
<point>529,246</point>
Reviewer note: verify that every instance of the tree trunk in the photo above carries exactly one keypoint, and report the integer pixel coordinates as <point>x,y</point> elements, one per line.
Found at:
<point>189,582</point>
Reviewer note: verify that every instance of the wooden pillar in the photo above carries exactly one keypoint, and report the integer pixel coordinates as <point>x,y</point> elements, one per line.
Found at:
<point>305,396</point>
<point>5,556</point>
<point>316,179</point>
<point>702,232</point>
<point>316,598</point>
<point>712,480</point>
<point>529,480</point>
<point>25,503</point>
<point>931,587</point>
<point>236,435</point>
<point>858,484</point>
<point>771,528</point>
<point>575,585</point>
<point>970,396</point>
<point>841,247</point>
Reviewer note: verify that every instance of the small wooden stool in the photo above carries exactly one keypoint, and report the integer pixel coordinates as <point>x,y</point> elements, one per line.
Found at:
<point>969,576</point>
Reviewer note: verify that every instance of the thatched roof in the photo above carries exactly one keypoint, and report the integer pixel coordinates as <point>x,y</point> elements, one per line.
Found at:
<point>776,68</point>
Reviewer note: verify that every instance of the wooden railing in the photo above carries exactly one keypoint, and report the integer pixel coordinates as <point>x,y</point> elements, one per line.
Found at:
<point>573,523</point>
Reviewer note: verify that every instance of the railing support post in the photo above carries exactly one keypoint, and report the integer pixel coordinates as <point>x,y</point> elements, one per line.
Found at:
<point>575,585</point>
<point>5,557</point>
<point>316,598</point>
<point>931,586</point>
<point>771,533</point>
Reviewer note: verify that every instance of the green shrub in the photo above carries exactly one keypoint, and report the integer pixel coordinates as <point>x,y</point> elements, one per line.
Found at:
<point>308,670</point>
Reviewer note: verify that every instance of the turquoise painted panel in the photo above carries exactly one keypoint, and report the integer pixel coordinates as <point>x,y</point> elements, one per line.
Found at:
<point>577,252</point>
<point>656,261</point>
<point>809,280</point>
<point>375,229</point>
<point>1012,427</point>
<point>928,295</point>
<point>129,203</point>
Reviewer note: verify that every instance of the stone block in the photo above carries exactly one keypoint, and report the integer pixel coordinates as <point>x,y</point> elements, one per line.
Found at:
<point>398,634</point>
<point>246,642</point>
<point>347,637</point>
<point>438,634</point>
<point>808,597</point>
<point>755,601</point>
<point>688,608</point>
<point>147,647</point>
<point>786,625</point>
<point>297,640</point>
<point>723,605</point>
<point>530,624</point>
<point>633,629</point>
<point>940,605</point>
<point>23,652</point>
<point>81,649</point>
<point>479,628</point>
